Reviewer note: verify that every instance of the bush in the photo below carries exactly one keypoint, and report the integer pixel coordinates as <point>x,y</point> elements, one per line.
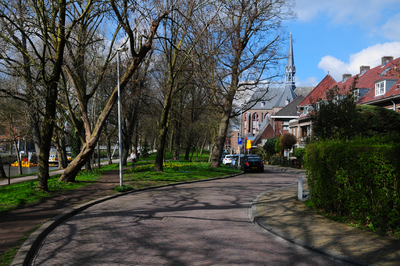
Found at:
<point>356,179</point>
<point>269,146</point>
<point>299,153</point>
<point>287,141</point>
<point>278,148</point>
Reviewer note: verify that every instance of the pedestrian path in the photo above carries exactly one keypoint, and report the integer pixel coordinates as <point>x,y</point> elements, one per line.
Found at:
<point>281,213</point>
<point>202,223</point>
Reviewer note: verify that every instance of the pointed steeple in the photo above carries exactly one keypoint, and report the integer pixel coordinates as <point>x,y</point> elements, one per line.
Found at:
<point>290,68</point>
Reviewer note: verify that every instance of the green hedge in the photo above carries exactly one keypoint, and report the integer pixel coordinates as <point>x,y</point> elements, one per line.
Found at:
<point>355,180</point>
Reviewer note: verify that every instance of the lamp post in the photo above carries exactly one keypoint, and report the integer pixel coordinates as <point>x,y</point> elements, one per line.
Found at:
<point>121,49</point>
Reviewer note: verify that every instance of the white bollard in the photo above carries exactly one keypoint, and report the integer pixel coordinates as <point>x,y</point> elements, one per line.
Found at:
<point>300,189</point>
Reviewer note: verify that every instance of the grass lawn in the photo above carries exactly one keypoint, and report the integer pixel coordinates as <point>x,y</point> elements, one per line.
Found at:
<point>174,171</point>
<point>19,194</point>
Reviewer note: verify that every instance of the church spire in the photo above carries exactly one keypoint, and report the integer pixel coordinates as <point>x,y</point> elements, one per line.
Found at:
<point>290,68</point>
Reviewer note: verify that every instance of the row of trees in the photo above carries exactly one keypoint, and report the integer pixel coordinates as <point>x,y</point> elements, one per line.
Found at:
<point>187,63</point>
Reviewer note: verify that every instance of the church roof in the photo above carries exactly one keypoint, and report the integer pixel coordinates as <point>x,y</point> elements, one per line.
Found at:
<point>291,108</point>
<point>290,60</point>
<point>272,96</point>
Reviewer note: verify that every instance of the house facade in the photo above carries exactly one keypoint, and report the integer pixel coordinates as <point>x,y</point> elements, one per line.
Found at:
<point>378,86</point>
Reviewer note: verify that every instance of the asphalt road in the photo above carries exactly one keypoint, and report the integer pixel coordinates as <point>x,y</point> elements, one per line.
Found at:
<point>205,223</point>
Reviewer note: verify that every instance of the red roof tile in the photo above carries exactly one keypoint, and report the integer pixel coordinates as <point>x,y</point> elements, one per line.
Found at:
<point>366,80</point>
<point>318,91</point>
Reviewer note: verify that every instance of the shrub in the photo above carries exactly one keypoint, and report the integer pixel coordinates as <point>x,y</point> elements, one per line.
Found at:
<point>357,180</point>
<point>269,146</point>
<point>299,153</point>
<point>278,148</point>
<point>287,141</point>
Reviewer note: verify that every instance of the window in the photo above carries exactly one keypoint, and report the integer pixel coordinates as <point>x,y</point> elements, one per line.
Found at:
<point>262,104</point>
<point>285,125</point>
<point>305,110</point>
<point>380,88</point>
<point>356,94</point>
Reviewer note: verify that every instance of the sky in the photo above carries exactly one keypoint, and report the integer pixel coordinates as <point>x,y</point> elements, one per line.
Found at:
<point>339,36</point>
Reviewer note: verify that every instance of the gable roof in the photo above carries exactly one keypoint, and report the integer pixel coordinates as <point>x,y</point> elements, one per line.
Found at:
<point>290,109</point>
<point>366,81</point>
<point>276,96</point>
<point>318,91</point>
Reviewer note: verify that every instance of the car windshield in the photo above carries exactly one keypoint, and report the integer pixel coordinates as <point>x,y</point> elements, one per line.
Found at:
<point>228,156</point>
<point>254,159</point>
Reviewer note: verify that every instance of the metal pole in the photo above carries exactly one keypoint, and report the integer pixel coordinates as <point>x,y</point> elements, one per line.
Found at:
<point>119,125</point>
<point>9,169</point>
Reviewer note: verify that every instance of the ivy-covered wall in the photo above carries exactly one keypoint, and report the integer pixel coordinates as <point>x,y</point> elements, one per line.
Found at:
<point>358,179</point>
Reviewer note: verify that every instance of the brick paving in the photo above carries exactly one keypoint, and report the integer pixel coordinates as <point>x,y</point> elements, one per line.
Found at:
<point>205,223</point>
<point>280,210</point>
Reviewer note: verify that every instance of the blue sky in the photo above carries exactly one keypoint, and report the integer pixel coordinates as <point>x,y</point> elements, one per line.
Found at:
<point>341,35</point>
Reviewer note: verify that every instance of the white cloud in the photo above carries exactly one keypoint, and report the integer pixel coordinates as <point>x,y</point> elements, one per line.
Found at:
<point>370,56</point>
<point>309,82</point>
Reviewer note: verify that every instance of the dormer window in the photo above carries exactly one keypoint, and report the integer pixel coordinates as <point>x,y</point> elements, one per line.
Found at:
<point>262,104</point>
<point>305,110</point>
<point>380,88</point>
<point>356,94</point>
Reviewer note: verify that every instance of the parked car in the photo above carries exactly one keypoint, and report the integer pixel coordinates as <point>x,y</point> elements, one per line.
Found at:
<point>223,156</point>
<point>236,158</point>
<point>252,162</point>
<point>227,159</point>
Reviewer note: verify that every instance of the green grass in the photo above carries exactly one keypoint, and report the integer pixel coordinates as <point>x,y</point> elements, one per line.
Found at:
<point>143,175</point>
<point>19,194</point>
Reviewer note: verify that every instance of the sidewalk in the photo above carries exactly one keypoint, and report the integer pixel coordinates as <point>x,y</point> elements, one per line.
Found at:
<point>282,214</point>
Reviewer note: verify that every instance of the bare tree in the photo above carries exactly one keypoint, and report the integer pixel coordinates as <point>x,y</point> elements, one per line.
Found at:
<point>38,31</point>
<point>241,50</point>
<point>122,10</point>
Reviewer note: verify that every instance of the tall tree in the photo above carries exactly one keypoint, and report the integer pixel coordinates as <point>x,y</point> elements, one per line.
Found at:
<point>240,51</point>
<point>39,30</point>
<point>122,11</point>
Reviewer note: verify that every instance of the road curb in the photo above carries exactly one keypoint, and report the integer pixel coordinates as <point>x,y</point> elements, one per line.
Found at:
<point>287,237</point>
<point>28,249</point>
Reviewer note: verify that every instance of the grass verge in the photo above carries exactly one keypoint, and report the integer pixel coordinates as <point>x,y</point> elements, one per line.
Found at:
<point>17,195</point>
<point>174,172</point>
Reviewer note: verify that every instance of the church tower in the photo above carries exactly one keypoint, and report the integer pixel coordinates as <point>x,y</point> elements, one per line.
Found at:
<point>290,68</point>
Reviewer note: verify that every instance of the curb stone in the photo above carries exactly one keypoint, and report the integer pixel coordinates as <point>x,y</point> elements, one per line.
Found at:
<point>287,237</point>
<point>28,249</point>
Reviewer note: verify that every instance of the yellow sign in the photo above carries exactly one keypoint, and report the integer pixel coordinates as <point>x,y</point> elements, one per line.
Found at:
<point>248,144</point>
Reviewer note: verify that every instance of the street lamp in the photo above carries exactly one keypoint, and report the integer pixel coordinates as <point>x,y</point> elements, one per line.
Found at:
<point>121,49</point>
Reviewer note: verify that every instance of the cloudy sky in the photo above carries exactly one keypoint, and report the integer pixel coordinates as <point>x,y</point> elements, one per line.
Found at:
<point>339,36</point>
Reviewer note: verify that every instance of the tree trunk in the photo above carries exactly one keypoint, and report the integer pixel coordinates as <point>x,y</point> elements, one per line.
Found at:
<point>75,166</point>
<point>220,141</point>
<point>187,151</point>
<point>162,135</point>
<point>2,172</point>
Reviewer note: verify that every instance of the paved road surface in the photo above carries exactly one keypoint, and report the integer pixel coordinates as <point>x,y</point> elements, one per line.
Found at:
<point>205,223</point>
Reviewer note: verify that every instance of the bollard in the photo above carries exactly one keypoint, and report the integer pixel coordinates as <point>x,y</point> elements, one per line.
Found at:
<point>300,189</point>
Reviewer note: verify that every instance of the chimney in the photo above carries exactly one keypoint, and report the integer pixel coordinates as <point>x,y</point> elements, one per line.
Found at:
<point>386,59</point>
<point>364,68</point>
<point>345,76</point>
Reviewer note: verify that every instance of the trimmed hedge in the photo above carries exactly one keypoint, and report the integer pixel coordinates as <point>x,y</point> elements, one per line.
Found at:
<point>360,181</point>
